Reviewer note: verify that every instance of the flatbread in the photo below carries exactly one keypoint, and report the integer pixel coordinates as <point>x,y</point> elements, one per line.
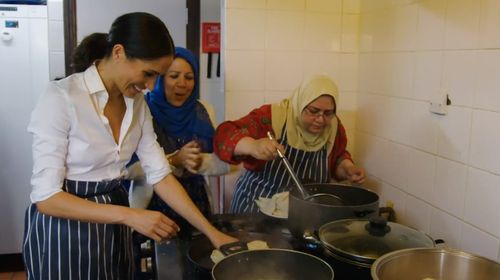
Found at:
<point>257,245</point>
<point>276,206</point>
<point>216,256</point>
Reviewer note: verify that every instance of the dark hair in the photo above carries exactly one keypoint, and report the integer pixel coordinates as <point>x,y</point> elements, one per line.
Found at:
<point>91,48</point>
<point>143,36</point>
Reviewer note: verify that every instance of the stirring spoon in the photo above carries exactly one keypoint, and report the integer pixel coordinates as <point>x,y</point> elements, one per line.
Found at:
<point>295,179</point>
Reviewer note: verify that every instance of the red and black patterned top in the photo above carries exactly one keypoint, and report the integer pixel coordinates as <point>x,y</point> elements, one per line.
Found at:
<point>256,125</point>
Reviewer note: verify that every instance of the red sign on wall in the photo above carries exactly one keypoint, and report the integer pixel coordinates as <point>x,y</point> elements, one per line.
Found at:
<point>210,37</point>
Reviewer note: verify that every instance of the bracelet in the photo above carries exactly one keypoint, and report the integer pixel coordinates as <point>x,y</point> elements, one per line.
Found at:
<point>170,161</point>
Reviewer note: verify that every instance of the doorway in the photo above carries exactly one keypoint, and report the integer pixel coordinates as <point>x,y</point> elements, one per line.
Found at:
<point>73,33</point>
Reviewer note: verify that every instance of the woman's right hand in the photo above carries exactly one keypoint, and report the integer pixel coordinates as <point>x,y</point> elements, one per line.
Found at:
<point>263,148</point>
<point>152,224</point>
<point>219,238</point>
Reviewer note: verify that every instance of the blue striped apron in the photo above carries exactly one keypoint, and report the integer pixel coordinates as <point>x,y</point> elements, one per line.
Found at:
<point>310,167</point>
<point>57,248</point>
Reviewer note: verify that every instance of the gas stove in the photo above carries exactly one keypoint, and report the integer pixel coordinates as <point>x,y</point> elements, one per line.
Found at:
<point>170,260</point>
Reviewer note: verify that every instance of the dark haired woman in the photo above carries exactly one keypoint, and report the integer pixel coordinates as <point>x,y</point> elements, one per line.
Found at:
<point>85,130</point>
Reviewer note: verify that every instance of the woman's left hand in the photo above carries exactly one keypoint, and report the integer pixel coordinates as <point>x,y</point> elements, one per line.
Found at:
<point>188,157</point>
<point>348,170</point>
<point>355,174</point>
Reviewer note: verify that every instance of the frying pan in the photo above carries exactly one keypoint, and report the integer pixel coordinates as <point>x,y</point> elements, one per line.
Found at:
<point>201,248</point>
<point>276,264</point>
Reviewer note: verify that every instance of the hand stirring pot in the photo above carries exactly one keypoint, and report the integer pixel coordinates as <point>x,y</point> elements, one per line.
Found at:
<point>332,199</point>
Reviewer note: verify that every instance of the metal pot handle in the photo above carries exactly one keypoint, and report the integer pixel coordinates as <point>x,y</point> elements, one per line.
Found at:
<point>312,242</point>
<point>391,214</point>
<point>310,238</point>
<point>440,243</point>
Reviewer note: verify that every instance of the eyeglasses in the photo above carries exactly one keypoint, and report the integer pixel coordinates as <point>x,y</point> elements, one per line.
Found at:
<point>315,112</point>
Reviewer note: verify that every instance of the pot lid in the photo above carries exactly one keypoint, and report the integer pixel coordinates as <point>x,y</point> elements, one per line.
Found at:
<point>365,240</point>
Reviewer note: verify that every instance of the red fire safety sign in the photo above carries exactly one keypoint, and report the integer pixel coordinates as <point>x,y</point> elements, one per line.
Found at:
<point>211,37</point>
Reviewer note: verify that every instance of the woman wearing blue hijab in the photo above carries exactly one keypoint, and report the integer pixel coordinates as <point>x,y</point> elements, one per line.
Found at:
<point>184,130</point>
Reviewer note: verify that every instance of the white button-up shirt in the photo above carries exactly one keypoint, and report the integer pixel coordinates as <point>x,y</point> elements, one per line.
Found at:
<point>72,138</point>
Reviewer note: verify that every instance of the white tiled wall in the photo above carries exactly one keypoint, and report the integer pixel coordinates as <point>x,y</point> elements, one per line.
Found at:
<point>56,39</point>
<point>442,172</point>
<point>271,45</point>
<point>390,58</point>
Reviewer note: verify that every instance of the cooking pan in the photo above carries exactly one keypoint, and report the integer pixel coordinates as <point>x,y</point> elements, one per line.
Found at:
<point>201,248</point>
<point>273,264</point>
<point>308,216</point>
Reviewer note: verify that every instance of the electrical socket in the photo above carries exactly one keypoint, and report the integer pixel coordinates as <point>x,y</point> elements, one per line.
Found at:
<point>438,103</point>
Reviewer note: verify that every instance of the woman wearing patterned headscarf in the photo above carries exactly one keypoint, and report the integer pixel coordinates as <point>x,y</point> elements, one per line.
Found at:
<point>307,130</point>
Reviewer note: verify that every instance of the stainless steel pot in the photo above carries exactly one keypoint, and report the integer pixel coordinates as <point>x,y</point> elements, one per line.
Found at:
<point>308,216</point>
<point>273,264</point>
<point>434,264</point>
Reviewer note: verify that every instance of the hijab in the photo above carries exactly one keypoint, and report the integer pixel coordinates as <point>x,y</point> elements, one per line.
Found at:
<point>183,122</point>
<point>289,112</point>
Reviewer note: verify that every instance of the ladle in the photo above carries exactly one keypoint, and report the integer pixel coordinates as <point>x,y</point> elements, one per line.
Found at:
<point>305,195</point>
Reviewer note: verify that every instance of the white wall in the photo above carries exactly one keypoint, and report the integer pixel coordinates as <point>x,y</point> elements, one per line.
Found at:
<point>442,172</point>
<point>390,57</point>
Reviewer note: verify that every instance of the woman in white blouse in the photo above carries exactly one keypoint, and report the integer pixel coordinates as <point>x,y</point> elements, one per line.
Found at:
<point>85,130</point>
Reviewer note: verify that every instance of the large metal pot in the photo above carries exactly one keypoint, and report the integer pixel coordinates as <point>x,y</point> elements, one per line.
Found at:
<point>434,263</point>
<point>273,264</point>
<point>308,216</point>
